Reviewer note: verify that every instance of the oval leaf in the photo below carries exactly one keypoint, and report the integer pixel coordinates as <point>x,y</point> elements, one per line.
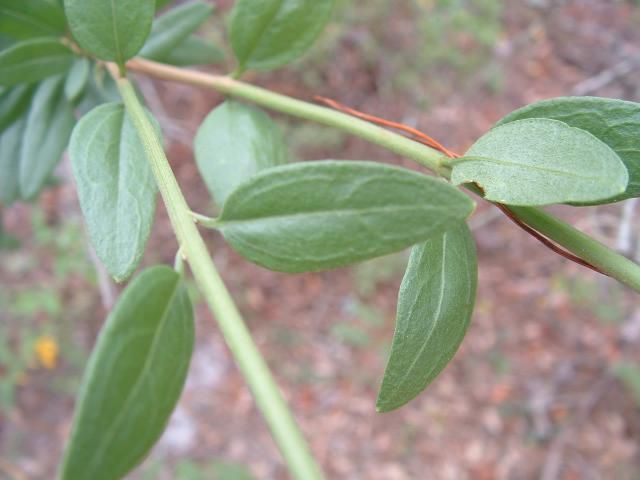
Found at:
<point>235,142</point>
<point>267,34</point>
<point>133,379</point>
<point>435,304</point>
<point>170,29</point>
<point>77,79</point>
<point>539,162</point>
<point>10,147</point>
<point>24,19</point>
<point>46,135</point>
<point>112,30</point>
<point>318,215</point>
<point>32,60</point>
<point>116,188</point>
<point>614,122</point>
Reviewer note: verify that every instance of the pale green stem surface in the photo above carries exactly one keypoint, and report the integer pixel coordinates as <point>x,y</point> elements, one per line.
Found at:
<point>609,262</point>
<point>255,370</point>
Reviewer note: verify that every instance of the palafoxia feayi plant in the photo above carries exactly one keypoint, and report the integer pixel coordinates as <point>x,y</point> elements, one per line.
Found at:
<point>65,75</point>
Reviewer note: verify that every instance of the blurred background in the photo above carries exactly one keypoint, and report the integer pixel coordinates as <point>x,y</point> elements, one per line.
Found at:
<point>547,382</point>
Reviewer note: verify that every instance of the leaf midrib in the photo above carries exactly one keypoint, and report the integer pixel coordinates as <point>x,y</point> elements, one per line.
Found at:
<point>119,56</point>
<point>260,32</point>
<point>436,315</point>
<point>497,161</point>
<point>337,212</point>
<point>110,432</point>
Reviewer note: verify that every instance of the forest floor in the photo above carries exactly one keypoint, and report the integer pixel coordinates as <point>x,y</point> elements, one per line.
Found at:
<point>535,391</point>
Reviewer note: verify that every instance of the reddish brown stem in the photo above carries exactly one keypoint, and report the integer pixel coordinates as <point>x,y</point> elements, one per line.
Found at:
<point>545,241</point>
<point>414,133</point>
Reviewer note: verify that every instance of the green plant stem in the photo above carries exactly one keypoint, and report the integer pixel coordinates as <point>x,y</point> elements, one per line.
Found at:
<point>251,363</point>
<point>430,158</point>
<point>587,248</point>
<point>594,252</point>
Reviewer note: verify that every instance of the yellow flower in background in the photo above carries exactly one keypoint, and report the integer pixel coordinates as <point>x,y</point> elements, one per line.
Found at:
<point>47,351</point>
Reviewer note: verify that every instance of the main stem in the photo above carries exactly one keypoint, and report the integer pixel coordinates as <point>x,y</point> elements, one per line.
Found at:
<point>582,245</point>
<point>250,361</point>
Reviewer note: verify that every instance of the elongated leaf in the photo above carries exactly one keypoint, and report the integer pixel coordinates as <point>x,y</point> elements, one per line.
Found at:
<point>112,30</point>
<point>170,29</point>
<point>435,304</point>
<point>134,378</point>
<point>539,162</point>
<point>318,215</point>
<point>77,79</point>
<point>10,147</point>
<point>33,60</point>
<point>13,103</point>
<point>614,122</point>
<point>234,143</point>
<point>22,19</point>
<point>115,187</point>
<point>49,124</point>
<point>194,50</point>
<point>267,34</point>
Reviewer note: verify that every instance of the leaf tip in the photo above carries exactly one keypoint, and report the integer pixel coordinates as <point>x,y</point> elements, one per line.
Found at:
<point>388,400</point>
<point>380,406</point>
<point>121,276</point>
<point>386,405</point>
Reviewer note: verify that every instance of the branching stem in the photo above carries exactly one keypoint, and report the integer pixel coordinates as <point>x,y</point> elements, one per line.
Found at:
<point>582,246</point>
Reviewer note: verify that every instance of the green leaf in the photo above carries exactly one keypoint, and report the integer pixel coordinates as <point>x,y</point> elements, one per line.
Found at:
<point>116,187</point>
<point>33,60</point>
<point>49,124</point>
<point>112,30</point>
<point>267,34</point>
<point>235,142</point>
<point>133,379</point>
<point>13,103</point>
<point>194,50</point>
<point>10,147</point>
<point>614,122</point>
<point>435,304</point>
<point>319,215</point>
<point>77,79</point>
<point>22,19</point>
<point>170,29</point>
<point>539,162</point>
